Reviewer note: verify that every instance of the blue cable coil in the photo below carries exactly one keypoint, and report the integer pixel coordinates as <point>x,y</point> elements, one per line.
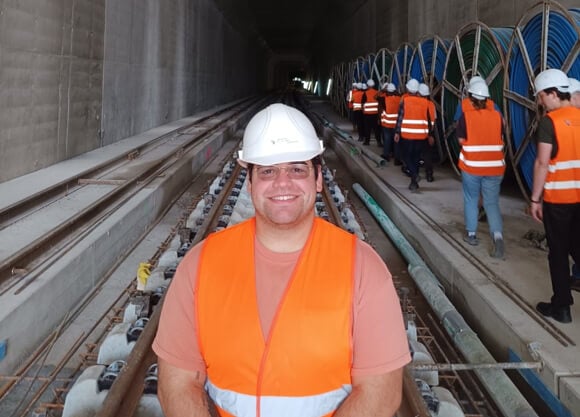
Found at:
<point>562,36</point>
<point>434,69</point>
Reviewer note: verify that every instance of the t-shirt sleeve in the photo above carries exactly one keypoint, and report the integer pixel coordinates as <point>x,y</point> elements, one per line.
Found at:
<point>176,340</point>
<point>380,342</point>
<point>546,134</point>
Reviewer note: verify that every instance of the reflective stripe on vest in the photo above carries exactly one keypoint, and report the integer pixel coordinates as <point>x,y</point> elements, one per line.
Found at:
<point>357,100</point>
<point>391,113</point>
<point>562,184</point>
<point>414,125</point>
<point>308,351</point>
<point>371,106</point>
<point>243,405</point>
<point>482,152</point>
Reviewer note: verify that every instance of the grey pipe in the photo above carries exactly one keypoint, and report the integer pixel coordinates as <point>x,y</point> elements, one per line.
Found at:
<point>506,395</point>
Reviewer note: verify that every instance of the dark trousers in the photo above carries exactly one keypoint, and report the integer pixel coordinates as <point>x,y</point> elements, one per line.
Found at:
<point>358,120</point>
<point>388,135</point>
<point>562,226</point>
<point>427,157</point>
<point>371,125</point>
<point>411,153</point>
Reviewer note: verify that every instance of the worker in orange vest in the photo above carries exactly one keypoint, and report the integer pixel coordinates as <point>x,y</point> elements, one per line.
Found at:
<point>482,164</point>
<point>302,319</point>
<point>557,182</point>
<point>389,110</point>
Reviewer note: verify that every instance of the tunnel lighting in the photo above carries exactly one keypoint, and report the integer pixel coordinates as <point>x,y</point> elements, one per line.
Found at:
<point>315,87</point>
<point>328,86</point>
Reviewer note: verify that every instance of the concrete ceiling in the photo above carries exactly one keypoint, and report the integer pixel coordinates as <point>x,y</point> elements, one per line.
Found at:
<point>287,26</point>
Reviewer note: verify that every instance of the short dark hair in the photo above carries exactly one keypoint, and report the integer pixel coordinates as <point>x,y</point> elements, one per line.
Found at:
<point>561,95</point>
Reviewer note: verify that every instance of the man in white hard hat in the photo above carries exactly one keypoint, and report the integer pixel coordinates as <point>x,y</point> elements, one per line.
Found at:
<point>413,129</point>
<point>285,313</point>
<point>557,183</point>
<point>389,110</point>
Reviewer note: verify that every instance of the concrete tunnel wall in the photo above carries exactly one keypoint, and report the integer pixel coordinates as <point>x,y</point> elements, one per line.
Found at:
<point>79,74</point>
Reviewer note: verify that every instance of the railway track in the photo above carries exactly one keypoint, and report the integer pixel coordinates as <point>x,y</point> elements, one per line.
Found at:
<point>48,391</point>
<point>84,201</point>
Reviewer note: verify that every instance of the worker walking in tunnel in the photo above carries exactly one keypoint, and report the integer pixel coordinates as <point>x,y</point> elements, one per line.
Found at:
<point>357,107</point>
<point>413,130</point>
<point>481,161</point>
<point>557,183</point>
<point>302,319</point>
<point>371,114</point>
<point>389,108</point>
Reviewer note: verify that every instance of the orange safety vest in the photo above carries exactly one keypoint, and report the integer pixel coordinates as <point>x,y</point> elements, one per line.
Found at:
<point>482,152</point>
<point>371,106</point>
<point>302,367</point>
<point>391,111</point>
<point>562,184</point>
<point>349,98</point>
<point>432,110</point>
<point>414,125</point>
<point>357,100</point>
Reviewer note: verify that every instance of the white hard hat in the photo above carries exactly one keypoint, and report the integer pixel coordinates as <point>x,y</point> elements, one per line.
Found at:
<point>391,88</point>
<point>478,89</point>
<point>278,134</point>
<point>412,86</point>
<point>552,78</point>
<point>574,85</point>
<point>384,86</point>
<point>354,85</point>
<point>359,86</point>
<point>364,86</point>
<point>476,79</point>
<point>371,83</point>
<point>424,90</point>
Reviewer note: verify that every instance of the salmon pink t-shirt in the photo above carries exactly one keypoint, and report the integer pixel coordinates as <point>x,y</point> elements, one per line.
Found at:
<point>379,338</point>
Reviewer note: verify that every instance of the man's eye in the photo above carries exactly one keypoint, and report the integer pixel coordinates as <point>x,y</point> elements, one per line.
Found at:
<point>267,171</point>
<point>298,170</point>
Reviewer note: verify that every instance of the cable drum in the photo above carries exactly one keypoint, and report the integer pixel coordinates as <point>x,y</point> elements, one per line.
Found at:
<point>341,84</point>
<point>383,66</point>
<point>547,36</point>
<point>402,60</point>
<point>475,50</point>
<point>428,66</point>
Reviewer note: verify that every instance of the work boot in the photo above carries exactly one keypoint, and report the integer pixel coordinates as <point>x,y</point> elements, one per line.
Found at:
<point>497,249</point>
<point>414,186</point>
<point>430,177</point>
<point>471,239</point>
<point>561,314</point>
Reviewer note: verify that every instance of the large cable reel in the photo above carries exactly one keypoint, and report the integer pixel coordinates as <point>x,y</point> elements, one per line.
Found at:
<point>428,66</point>
<point>547,36</point>
<point>341,76</point>
<point>383,66</point>
<point>400,69</point>
<point>475,50</point>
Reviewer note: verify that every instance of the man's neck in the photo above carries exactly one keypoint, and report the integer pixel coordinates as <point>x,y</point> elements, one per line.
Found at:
<point>283,239</point>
